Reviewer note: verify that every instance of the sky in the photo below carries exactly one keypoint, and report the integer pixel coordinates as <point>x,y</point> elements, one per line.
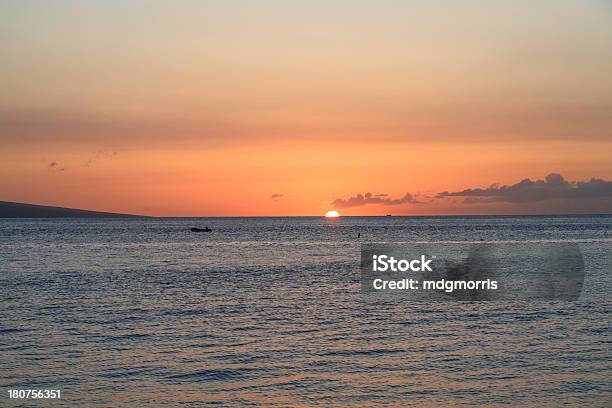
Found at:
<point>236,108</point>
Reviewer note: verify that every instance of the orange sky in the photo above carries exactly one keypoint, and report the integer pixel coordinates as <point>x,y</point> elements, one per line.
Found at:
<point>212,108</point>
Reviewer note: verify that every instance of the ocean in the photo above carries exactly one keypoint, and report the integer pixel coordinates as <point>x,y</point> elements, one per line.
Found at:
<point>269,312</point>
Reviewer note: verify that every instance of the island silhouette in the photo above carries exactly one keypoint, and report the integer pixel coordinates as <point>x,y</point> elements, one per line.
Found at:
<point>22,210</point>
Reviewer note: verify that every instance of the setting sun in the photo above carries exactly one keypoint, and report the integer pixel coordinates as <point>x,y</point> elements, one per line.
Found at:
<point>332,214</point>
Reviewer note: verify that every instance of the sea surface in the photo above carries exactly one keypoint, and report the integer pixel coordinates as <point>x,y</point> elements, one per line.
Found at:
<point>269,312</point>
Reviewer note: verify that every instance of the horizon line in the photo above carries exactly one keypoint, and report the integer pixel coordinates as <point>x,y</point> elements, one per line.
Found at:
<point>110,214</point>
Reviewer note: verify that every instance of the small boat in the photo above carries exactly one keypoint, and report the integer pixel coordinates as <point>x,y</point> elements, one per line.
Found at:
<point>196,229</point>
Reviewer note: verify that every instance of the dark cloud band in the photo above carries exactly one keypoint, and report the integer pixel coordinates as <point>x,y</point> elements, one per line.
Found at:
<point>554,186</point>
<point>369,198</point>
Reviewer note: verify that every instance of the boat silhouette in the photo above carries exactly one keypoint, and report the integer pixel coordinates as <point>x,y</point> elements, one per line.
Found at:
<point>196,229</point>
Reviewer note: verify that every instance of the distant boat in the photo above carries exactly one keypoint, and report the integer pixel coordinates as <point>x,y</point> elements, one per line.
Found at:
<point>196,229</point>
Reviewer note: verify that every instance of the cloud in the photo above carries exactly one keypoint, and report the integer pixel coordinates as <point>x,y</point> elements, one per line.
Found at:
<point>53,165</point>
<point>369,198</point>
<point>554,186</point>
<point>100,155</point>
<point>276,197</point>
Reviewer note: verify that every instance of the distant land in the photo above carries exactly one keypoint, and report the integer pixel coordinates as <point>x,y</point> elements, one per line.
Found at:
<point>22,210</point>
